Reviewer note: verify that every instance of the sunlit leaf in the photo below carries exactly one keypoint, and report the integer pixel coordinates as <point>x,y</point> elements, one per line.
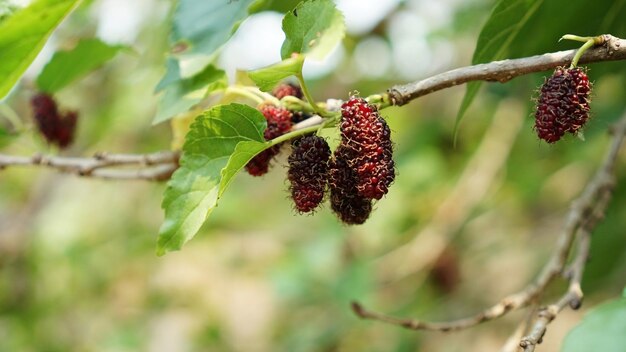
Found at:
<point>202,27</point>
<point>267,77</point>
<point>314,28</point>
<point>220,142</point>
<point>23,34</point>
<point>66,66</point>
<point>181,94</point>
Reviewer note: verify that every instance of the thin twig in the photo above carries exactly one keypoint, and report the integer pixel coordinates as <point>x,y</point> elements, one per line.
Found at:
<point>503,71</point>
<point>155,166</point>
<point>584,214</point>
<point>599,192</point>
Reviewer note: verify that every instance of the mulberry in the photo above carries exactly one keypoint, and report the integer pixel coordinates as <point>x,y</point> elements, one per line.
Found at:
<point>55,127</point>
<point>368,137</point>
<point>278,123</point>
<point>287,89</point>
<point>308,172</point>
<point>345,200</point>
<point>563,104</point>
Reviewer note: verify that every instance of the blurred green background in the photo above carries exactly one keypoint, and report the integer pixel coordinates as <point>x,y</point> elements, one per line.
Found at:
<point>462,226</point>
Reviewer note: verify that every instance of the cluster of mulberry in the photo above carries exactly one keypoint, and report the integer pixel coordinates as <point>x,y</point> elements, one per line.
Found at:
<point>56,128</point>
<point>278,123</point>
<point>563,104</point>
<point>292,90</point>
<point>308,172</point>
<point>360,171</point>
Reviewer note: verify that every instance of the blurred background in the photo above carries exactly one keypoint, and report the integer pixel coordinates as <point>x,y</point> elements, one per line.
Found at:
<point>463,225</point>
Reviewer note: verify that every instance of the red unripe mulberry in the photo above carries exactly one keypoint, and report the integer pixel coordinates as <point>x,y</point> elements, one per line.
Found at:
<point>368,137</point>
<point>287,89</point>
<point>563,104</point>
<point>278,123</point>
<point>308,172</point>
<point>350,206</point>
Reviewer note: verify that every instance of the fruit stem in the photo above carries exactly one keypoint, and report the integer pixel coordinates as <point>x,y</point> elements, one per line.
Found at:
<point>588,44</point>
<point>293,103</point>
<point>240,91</point>
<point>293,134</point>
<point>380,100</point>
<point>307,95</point>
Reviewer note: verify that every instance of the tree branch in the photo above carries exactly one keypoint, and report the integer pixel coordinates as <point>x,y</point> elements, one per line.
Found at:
<point>585,212</point>
<point>155,166</point>
<point>612,49</point>
<point>503,71</point>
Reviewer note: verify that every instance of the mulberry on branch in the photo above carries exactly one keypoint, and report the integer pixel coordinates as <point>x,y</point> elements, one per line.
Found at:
<point>278,123</point>
<point>56,128</point>
<point>308,172</point>
<point>345,200</point>
<point>368,138</point>
<point>563,104</point>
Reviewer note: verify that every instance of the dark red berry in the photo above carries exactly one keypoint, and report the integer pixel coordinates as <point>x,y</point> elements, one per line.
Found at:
<point>56,128</point>
<point>65,135</point>
<point>287,89</point>
<point>308,172</point>
<point>278,123</point>
<point>563,104</point>
<point>366,134</point>
<point>345,200</point>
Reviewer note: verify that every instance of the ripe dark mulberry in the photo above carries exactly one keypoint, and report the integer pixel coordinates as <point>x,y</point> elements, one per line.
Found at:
<point>368,137</point>
<point>563,104</point>
<point>56,128</point>
<point>345,200</point>
<point>308,172</point>
<point>287,89</point>
<point>278,123</point>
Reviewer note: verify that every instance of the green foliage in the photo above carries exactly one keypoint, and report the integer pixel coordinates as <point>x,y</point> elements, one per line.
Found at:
<point>24,34</point>
<point>202,27</point>
<point>220,142</point>
<point>66,66</point>
<point>602,329</point>
<point>502,27</point>
<point>314,27</point>
<point>181,94</point>
<point>267,77</point>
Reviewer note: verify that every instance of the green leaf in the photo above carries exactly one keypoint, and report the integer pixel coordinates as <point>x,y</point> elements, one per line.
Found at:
<point>24,34</point>
<point>503,25</point>
<point>602,329</point>
<point>181,94</point>
<point>314,27</point>
<point>66,66</point>
<point>202,27</point>
<point>220,142</point>
<point>266,78</point>
<point>172,74</point>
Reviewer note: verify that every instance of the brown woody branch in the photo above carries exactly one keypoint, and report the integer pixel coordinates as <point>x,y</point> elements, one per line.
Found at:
<point>612,49</point>
<point>156,166</point>
<point>584,215</point>
<point>503,71</point>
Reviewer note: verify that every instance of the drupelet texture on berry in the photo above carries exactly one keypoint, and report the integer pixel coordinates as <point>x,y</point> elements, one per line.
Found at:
<point>563,104</point>
<point>368,138</point>
<point>308,172</point>
<point>278,123</point>
<point>287,89</point>
<point>345,200</point>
